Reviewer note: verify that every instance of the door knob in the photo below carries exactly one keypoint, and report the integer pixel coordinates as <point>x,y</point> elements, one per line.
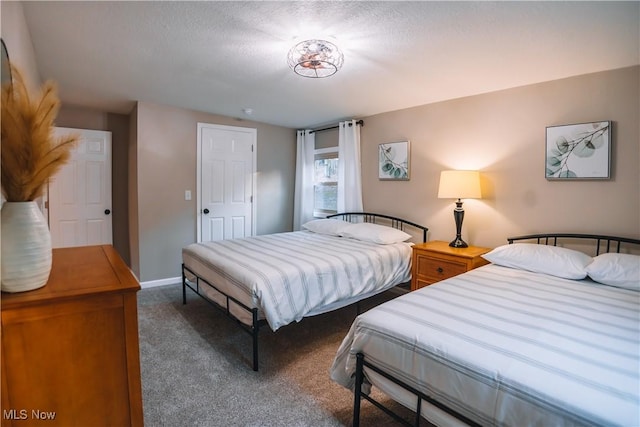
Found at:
<point>107,211</point>
<point>206,211</point>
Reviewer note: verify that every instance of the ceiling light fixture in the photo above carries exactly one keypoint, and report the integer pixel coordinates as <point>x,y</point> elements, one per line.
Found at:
<point>315,58</point>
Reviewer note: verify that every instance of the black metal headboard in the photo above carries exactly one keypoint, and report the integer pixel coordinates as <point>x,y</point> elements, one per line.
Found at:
<point>613,243</point>
<point>375,218</point>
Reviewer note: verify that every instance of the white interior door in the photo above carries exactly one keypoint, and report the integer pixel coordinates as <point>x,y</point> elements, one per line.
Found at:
<point>79,194</point>
<point>226,184</point>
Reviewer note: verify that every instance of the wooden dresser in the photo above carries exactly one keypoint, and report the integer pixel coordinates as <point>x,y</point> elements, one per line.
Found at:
<point>70,354</point>
<point>435,261</point>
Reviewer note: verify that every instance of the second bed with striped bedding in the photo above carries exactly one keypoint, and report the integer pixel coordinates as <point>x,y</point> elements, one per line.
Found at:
<point>503,346</point>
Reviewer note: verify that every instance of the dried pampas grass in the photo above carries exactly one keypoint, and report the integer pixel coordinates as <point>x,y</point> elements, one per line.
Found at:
<point>30,154</point>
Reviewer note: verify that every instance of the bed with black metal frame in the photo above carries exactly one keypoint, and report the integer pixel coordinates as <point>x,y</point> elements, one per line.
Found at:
<point>227,301</point>
<point>397,376</point>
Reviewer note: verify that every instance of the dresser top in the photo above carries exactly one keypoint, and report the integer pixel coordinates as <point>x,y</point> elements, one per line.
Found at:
<point>77,272</point>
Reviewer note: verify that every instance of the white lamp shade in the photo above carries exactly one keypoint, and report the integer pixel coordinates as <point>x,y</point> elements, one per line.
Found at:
<point>459,185</point>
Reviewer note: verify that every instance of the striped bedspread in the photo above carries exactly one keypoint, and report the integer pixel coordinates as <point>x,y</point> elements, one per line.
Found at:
<point>293,275</point>
<point>508,348</point>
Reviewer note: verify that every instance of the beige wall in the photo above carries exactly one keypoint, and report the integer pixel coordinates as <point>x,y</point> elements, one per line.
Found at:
<point>502,134</point>
<point>326,139</point>
<point>166,167</point>
<point>132,194</point>
<point>16,37</point>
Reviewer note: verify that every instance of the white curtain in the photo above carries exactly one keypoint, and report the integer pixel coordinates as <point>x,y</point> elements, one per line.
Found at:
<point>349,175</point>
<point>303,196</point>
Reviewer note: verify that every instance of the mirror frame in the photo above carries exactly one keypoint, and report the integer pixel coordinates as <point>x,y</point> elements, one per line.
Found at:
<point>5,72</point>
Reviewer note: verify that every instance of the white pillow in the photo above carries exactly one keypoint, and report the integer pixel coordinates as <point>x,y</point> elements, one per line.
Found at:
<point>376,233</point>
<point>553,260</point>
<point>621,270</point>
<point>330,226</point>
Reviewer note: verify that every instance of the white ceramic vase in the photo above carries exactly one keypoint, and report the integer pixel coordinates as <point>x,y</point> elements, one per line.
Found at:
<point>26,247</point>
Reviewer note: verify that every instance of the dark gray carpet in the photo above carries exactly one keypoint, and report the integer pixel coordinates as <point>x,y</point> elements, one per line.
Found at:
<point>196,368</point>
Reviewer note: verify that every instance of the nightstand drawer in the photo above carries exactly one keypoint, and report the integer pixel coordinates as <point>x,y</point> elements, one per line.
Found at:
<point>434,269</point>
<point>436,261</point>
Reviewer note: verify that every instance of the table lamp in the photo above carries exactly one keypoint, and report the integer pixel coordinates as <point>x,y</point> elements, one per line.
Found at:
<point>459,185</point>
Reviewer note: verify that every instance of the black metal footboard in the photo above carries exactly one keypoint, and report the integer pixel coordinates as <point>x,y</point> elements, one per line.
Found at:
<point>256,323</point>
<point>361,363</point>
<point>252,330</point>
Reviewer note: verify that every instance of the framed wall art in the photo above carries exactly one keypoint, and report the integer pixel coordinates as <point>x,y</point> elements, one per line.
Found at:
<point>579,151</point>
<point>393,161</point>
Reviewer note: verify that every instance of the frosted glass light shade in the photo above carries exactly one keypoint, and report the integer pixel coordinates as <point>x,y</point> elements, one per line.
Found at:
<point>459,185</point>
<point>315,58</point>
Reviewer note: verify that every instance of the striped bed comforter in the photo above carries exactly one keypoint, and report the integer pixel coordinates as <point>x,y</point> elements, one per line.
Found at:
<point>507,347</point>
<point>292,275</point>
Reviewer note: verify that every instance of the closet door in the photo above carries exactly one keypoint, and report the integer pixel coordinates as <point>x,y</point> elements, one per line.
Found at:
<point>226,185</point>
<point>80,193</point>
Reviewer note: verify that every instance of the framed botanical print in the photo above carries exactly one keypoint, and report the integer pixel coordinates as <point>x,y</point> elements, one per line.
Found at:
<point>394,161</point>
<point>578,151</point>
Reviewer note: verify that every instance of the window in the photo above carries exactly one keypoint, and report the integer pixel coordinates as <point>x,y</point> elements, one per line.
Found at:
<point>325,182</point>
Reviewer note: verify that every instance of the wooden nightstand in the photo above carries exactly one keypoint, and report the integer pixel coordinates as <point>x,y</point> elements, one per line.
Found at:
<point>435,261</point>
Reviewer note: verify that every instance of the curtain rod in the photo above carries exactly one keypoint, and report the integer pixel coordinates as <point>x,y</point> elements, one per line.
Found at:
<point>359,122</point>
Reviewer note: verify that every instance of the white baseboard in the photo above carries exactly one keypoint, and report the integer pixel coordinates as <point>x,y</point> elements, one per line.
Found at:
<point>161,282</point>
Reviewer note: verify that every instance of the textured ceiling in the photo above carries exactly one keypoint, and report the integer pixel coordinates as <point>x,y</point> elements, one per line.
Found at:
<point>222,57</point>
